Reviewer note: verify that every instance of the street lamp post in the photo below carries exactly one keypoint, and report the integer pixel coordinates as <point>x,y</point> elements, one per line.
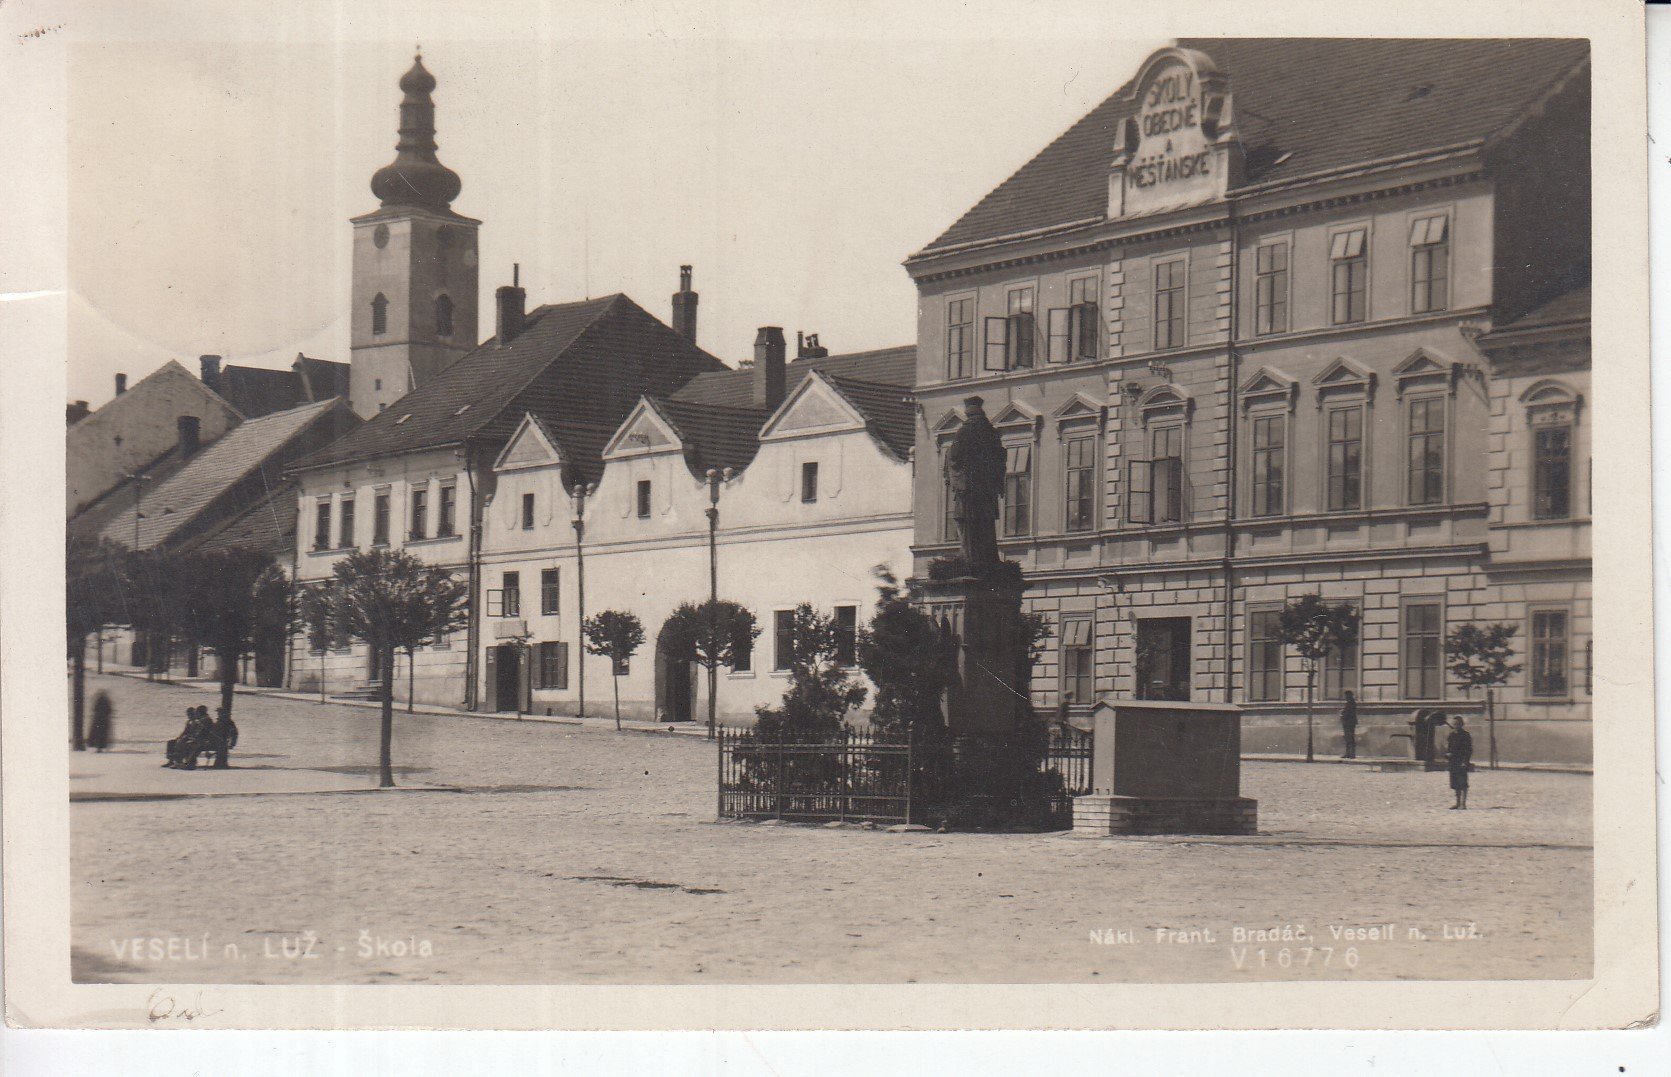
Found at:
<point>581,490</point>
<point>715,477</point>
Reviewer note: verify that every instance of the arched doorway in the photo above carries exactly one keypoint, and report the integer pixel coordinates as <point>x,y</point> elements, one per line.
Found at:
<point>675,684</point>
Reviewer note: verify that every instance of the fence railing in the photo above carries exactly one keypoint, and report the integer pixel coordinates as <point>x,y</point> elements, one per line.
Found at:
<point>855,775</point>
<point>863,775</point>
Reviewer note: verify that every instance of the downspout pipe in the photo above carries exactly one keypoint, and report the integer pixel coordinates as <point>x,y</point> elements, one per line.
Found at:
<point>1232,485</point>
<point>471,607</point>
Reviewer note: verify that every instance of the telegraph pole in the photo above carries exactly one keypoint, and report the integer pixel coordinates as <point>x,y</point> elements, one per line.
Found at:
<point>580,492</point>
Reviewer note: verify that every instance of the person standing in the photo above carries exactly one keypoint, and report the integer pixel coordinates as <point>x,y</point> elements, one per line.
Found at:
<point>99,734</point>
<point>1459,753</point>
<point>226,737</point>
<point>1349,724</point>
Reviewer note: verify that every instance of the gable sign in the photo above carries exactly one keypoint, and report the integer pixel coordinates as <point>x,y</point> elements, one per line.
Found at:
<point>1170,150</point>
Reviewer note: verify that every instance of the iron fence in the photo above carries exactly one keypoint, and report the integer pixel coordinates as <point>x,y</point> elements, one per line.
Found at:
<point>854,775</point>
<point>863,775</point>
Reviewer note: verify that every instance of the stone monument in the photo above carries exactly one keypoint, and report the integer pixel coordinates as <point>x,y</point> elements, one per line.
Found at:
<point>976,598</point>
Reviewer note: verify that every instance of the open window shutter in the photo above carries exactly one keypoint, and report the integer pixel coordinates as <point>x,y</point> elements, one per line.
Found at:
<point>1085,339</point>
<point>1061,335</point>
<point>496,603</point>
<point>562,666</point>
<point>996,351</point>
<point>524,683</point>
<point>1139,492</point>
<point>492,669</point>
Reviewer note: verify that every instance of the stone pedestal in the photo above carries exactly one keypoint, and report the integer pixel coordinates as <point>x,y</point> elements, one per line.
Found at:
<point>993,777</point>
<point>1165,768</point>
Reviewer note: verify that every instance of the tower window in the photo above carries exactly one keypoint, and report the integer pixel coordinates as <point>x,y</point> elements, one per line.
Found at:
<point>379,314</point>
<point>443,316</point>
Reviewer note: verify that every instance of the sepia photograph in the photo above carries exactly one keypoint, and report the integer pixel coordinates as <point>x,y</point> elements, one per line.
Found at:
<point>590,505</point>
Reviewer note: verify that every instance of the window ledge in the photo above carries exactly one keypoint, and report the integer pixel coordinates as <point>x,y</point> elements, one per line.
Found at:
<point>432,540</point>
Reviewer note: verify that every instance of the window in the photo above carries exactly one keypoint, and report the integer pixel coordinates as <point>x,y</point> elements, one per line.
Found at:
<point>1156,494</point>
<point>1551,463</point>
<point>1427,451</point>
<point>1081,465</point>
<point>742,659</point>
<point>550,593</point>
<point>948,526</point>
<point>322,524</point>
<point>1019,328</point>
<point>1018,489</point>
<point>443,316</point>
<point>643,499</point>
<point>809,482</point>
<point>1549,653</point>
<point>345,538</point>
<point>960,338</point>
<point>379,314</point>
<point>1340,667</point>
<point>847,635</point>
<point>1269,453</point>
<point>783,639</point>
<point>527,512</point>
<point>551,670</point>
<point>1430,256</point>
<point>420,513</point>
<point>380,520</point>
<point>1270,288</point>
<point>1345,462</point>
<point>1421,629</point>
<point>1264,655</point>
<point>1169,305</point>
<point>512,584</point>
<point>444,518</point>
<point>1077,660</point>
<point>1072,330</point>
<point>1350,267</point>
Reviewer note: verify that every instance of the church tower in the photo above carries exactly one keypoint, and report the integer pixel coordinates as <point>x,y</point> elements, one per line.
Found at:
<point>415,273</point>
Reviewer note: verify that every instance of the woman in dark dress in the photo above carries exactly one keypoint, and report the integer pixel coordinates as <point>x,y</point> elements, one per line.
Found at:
<point>1459,752</point>
<point>99,735</point>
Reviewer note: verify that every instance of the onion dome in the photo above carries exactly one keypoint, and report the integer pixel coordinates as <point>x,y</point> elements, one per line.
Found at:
<point>416,178</point>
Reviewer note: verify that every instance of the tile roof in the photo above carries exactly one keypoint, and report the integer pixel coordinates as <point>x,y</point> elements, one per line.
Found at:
<point>578,365</point>
<point>1303,106</point>
<point>889,411</point>
<point>269,524</point>
<point>257,391</point>
<point>1568,308</point>
<point>714,435</point>
<point>249,450</point>
<point>735,388</point>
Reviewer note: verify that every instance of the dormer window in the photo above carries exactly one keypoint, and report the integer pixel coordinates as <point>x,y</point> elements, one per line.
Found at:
<point>443,316</point>
<point>379,314</point>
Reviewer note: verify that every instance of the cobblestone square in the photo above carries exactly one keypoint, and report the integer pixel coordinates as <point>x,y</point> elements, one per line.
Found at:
<point>525,852</point>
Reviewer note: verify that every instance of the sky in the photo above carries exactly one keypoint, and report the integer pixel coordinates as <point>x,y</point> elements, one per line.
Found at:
<point>795,164</point>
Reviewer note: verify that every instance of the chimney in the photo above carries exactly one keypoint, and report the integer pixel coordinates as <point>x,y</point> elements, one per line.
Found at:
<point>513,308</point>
<point>807,347</point>
<point>121,384</point>
<point>189,430</point>
<point>76,412</point>
<point>210,370</point>
<point>684,307</point>
<point>768,367</point>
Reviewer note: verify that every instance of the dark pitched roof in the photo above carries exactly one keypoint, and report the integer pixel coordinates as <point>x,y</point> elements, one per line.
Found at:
<point>582,364</point>
<point>1325,103</point>
<point>888,410</point>
<point>321,379</point>
<point>172,507</point>
<point>269,524</point>
<point>257,391</point>
<point>735,388</point>
<point>1569,308</point>
<point>713,435</point>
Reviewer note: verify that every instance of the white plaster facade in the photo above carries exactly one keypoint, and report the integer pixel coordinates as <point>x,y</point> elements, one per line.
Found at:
<point>774,549</point>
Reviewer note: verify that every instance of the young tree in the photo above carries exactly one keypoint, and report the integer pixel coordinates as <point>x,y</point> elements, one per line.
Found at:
<point>391,600</point>
<point>316,616</point>
<point>1315,629</point>
<point>910,660</point>
<point>93,597</point>
<point>712,634</point>
<point>222,594</point>
<point>1479,657</point>
<point>616,636</point>
<point>154,604</point>
<point>820,693</point>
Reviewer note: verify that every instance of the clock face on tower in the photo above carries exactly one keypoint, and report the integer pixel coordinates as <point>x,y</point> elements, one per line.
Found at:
<point>380,236</point>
